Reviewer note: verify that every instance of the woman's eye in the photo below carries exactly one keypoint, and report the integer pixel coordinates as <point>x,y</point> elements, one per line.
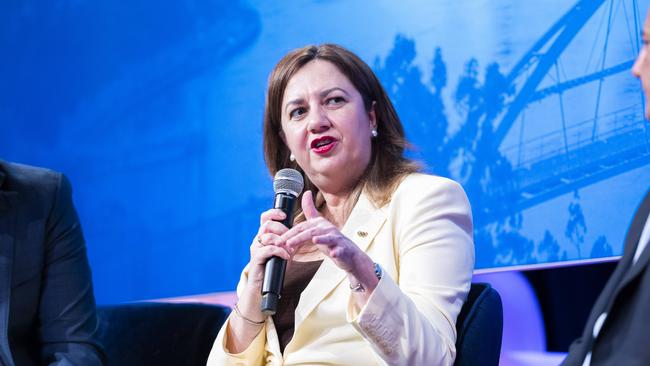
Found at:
<point>335,100</point>
<point>297,113</point>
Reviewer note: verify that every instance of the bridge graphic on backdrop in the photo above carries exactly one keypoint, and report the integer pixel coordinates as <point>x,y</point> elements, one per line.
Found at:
<point>582,154</point>
<point>553,166</point>
<point>501,181</point>
<point>573,156</point>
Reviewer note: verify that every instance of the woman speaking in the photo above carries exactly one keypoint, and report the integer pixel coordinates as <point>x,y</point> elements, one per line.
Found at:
<point>380,257</point>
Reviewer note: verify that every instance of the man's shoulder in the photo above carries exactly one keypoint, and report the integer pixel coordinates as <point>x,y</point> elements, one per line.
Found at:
<point>25,178</point>
<point>33,188</point>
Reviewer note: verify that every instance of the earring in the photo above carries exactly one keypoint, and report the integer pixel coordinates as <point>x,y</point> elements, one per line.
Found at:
<point>374,133</point>
<point>292,157</point>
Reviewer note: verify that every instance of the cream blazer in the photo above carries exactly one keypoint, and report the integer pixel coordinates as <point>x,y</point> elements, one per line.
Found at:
<point>422,239</point>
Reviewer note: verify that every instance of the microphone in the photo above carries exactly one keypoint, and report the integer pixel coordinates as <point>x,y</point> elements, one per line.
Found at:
<point>288,185</point>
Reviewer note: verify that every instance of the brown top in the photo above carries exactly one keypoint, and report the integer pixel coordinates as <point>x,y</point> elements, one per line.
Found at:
<point>296,279</point>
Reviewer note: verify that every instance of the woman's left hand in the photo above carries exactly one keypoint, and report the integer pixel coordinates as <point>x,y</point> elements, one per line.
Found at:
<point>330,241</point>
<point>319,231</point>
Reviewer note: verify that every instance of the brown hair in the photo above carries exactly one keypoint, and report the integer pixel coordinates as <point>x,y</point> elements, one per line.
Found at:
<point>387,164</point>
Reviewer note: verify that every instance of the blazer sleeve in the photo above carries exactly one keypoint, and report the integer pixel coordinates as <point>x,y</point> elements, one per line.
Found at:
<point>67,316</point>
<point>253,355</point>
<point>410,320</point>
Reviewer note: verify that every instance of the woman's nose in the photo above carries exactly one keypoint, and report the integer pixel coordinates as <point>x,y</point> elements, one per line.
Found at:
<point>318,120</point>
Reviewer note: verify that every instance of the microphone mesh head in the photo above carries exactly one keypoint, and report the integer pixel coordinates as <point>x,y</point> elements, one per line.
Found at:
<point>288,181</point>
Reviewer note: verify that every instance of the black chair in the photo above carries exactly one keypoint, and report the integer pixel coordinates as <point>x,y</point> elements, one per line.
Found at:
<point>159,334</point>
<point>479,327</point>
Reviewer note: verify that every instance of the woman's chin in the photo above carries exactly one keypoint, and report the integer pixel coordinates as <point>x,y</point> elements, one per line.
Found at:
<point>331,168</point>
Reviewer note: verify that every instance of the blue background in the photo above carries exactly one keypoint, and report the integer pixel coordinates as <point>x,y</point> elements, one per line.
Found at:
<point>154,110</point>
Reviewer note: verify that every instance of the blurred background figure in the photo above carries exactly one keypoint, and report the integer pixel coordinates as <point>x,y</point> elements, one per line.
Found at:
<point>47,306</point>
<point>617,331</point>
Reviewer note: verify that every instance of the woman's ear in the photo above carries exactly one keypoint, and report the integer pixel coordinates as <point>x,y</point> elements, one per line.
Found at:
<point>372,116</point>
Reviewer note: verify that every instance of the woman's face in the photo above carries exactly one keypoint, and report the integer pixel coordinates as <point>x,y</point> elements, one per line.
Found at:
<point>326,126</point>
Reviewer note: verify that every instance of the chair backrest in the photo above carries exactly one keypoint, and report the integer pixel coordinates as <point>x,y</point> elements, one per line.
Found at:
<point>479,327</point>
<point>159,334</point>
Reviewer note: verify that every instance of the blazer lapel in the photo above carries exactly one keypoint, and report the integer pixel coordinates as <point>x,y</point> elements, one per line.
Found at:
<point>7,234</point>
<point>625,271</point>
<point>633,241</point>
<point>361,227</point>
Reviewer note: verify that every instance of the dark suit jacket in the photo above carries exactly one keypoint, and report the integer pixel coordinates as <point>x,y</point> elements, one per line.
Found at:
<point>624,338</point>
<point>47,308</point>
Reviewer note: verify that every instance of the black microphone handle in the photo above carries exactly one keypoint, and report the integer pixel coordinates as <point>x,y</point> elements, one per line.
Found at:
<point>275,266</point>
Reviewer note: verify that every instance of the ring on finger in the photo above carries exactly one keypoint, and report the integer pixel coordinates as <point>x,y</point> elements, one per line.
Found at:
<point>259,240</point>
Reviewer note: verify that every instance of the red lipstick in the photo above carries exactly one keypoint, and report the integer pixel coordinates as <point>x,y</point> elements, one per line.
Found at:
<point>323,145</point>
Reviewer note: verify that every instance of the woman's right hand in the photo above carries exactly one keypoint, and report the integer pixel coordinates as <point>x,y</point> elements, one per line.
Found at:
<point>268,243</point>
